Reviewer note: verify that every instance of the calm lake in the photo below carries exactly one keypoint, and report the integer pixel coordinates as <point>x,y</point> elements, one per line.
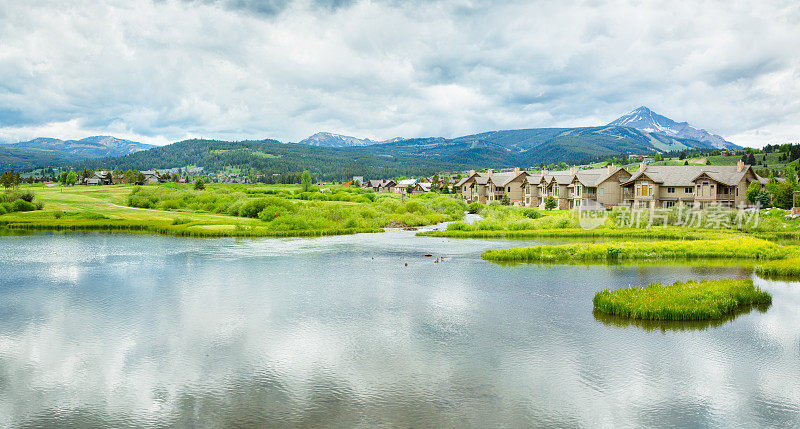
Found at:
<point>365,331</point>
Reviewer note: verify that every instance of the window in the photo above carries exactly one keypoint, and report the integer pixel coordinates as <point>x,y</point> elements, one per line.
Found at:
<point>601,191</point>
<point>670,190</point>
<point>644,190</point>
<point>668,204</point>
<point>687,190</point>
<point>555,191</point>
<point>508,189</point>
<point>578,203</point>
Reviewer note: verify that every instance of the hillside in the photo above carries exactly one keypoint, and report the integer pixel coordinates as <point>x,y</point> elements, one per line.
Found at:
<point>271,157</point>
<point>533,146</point>
<point>49,151</point>
<point>28,158</point>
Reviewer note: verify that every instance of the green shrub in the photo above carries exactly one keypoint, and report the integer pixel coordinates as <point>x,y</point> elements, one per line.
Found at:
<point>531,213</point>
<point>253,207</point>
<point>475,208</point>
<point>22,206</point>
<point>12,196</point>
<point>180,221</point>
<point>271,212</point>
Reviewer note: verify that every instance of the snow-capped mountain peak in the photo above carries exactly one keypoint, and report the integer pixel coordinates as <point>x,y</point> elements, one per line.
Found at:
<point>644,119</point>
<point>339,140</point>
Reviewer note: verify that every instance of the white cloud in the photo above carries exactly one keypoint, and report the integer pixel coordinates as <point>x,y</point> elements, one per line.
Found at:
<point>159,71</point>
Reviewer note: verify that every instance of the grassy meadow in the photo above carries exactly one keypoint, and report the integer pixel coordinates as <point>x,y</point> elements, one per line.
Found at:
<point>692,300</point>
<point>227,210</point>
<point>729,248</point>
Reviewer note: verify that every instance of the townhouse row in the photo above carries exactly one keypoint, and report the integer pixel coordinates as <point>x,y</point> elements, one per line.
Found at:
<point>648,187</point>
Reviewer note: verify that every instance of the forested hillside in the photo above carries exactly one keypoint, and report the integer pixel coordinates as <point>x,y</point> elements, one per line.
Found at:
<point>271,157</point>
<point>533,146</point>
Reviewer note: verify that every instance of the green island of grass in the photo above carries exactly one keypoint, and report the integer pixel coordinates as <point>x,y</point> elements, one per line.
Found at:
<point>742,247</point>
<point>691,300</point>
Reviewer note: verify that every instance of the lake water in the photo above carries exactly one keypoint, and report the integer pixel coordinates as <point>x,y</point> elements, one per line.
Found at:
<point>365,331</point>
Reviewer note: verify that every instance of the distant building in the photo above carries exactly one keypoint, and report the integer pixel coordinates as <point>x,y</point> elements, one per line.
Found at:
<point>383,185</point>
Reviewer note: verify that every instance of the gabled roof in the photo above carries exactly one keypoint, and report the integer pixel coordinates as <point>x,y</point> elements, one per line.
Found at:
<point>534,179</point>
<point>502,179</point>
<point>382,183</point>
<point>406,182</point>
<point>685,175</point>
<point>596,176</point>
<point>560,177</point>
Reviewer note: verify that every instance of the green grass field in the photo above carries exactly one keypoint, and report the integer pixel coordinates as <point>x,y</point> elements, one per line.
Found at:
<point>692,300</point>
<point>179,210</point>
<point>730,248</point>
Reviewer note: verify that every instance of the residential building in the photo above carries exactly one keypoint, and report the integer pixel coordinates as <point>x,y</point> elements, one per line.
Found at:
<point>597,188</point>
<point>383,185</point>
<point>603,188</point>
<point>490,186</point>
<point>100,177</point>
<point>402,185</point>
<point>665,186</point>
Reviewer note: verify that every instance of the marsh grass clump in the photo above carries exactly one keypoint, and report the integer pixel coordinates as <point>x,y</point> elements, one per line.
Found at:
<point>691,300</point>
<point>787,268</point>
<point>732,248</point>
<point>182,221</point>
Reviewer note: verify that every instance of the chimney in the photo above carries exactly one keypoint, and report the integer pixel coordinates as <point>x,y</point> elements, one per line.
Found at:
<point>642,166</point>
<point>611,168</point>
<point>490,171</point>
<point>544,172</point>
<point>516,171</point>
<point>573,170</point>
<point>740,166</point>
<point>471,172</point>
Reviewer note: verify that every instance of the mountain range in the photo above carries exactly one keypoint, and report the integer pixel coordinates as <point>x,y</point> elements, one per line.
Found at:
<point>45,151</point>
<point>641,131</point>
<point>646,120</point>
<point>337,140</point>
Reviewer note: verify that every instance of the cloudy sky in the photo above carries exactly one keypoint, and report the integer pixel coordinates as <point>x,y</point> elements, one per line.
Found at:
<point>159,71</point>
